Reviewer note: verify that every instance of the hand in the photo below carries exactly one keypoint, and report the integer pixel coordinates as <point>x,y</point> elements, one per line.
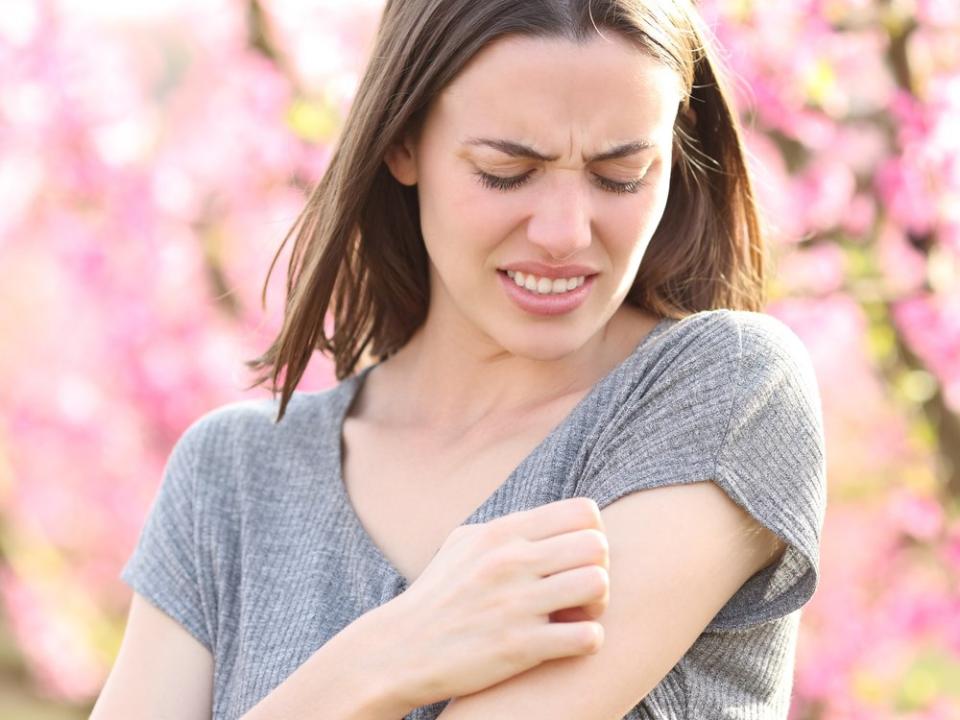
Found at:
<point>501,597</point>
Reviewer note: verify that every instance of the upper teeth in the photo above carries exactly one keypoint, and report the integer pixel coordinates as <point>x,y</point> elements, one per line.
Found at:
<point>544,285</point>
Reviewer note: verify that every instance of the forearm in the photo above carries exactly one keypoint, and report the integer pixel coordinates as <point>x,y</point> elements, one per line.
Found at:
<point>353,676</point>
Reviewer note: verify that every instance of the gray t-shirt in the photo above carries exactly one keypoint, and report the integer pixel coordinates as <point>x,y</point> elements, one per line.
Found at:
<point>253,546</point>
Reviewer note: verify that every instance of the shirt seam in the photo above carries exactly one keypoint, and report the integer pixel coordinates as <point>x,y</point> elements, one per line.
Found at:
<point>734,402</point>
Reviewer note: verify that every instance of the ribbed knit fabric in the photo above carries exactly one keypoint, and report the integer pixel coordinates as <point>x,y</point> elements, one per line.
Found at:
<point>252,545</point>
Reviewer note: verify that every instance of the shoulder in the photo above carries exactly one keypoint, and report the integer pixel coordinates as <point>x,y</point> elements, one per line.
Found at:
<point>772,355</point>
<point>231,455</point>
<point>745,336</point>
<point>246,427</point>
<point>713,360</point>
<point>693,349</point>
<point>764,333</point>
<point>713,333</point>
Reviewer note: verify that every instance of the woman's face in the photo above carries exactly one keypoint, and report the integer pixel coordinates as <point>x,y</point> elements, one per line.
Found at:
<point>541,114</point>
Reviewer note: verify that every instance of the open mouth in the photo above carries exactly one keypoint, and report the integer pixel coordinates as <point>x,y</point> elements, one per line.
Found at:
<point>538,285</point>
<point>564,300</point>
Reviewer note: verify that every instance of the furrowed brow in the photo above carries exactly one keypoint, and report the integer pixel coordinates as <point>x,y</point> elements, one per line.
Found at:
<point>515,149</point>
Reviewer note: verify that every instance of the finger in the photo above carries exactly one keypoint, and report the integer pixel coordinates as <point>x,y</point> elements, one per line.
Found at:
<point>571,550</point>
<point>571,588</point>
<point>561,516</point>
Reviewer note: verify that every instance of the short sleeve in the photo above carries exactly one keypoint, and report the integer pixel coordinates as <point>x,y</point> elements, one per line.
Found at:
<point>745,412</point>
<point>772,462</point>
<point>164,566</point>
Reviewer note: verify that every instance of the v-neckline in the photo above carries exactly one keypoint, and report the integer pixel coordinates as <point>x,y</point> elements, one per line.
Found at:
<point>349,389</point>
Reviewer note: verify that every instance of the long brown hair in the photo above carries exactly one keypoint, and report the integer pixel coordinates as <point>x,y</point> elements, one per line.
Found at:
<point>359,250</point>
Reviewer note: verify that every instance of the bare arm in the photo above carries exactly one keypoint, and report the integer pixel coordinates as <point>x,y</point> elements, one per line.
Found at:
<point>162,671</point>
<point>355,675</point>
<point>478,614</point>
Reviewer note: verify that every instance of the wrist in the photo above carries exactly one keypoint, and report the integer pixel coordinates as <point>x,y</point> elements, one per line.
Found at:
<point>387,680</point>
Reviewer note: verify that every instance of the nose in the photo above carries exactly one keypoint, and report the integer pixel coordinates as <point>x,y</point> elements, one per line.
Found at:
<point>560,222</point>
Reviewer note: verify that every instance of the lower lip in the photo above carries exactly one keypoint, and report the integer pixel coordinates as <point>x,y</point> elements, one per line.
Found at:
<point>549,304</point>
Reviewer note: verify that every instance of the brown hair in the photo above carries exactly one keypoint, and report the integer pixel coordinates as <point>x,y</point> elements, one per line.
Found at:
<point>359,247</point>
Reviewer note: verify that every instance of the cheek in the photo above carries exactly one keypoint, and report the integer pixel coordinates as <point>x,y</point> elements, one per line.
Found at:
<point>638,217</point>
<point>654,203</point>
<point>455,199</point>
<point>632,226</point>
<point>659,202</point>
<point>461,223</point>
<point>445,209</point>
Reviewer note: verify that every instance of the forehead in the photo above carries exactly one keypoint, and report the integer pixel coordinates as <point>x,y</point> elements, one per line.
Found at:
<point>550,87</point>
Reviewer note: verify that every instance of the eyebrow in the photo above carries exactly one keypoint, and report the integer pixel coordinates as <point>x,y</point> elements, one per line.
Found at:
<point>516,149</point>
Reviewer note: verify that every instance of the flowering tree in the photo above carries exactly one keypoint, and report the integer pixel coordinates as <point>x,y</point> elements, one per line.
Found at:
<point>151,159</point>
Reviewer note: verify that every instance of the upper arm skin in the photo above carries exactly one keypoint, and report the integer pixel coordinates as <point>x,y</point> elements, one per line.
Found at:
<point>161,672</point>
<point>677,554</point>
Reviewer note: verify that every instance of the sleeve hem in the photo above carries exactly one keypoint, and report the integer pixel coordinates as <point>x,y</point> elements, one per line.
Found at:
<point>776,590</point>
<point>164,567</point>
<point>161,599</point>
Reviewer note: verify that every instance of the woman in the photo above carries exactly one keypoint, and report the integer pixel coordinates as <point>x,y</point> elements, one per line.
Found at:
<point>539,223</point>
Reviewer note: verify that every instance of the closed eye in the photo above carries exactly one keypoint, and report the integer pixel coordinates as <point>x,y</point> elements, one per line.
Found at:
<point>509,183</point>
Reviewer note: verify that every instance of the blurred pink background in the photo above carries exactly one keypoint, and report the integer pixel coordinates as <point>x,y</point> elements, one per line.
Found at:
<point>154,154</point>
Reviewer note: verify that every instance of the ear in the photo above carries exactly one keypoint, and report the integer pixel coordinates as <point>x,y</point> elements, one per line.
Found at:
<point>401,159</point>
